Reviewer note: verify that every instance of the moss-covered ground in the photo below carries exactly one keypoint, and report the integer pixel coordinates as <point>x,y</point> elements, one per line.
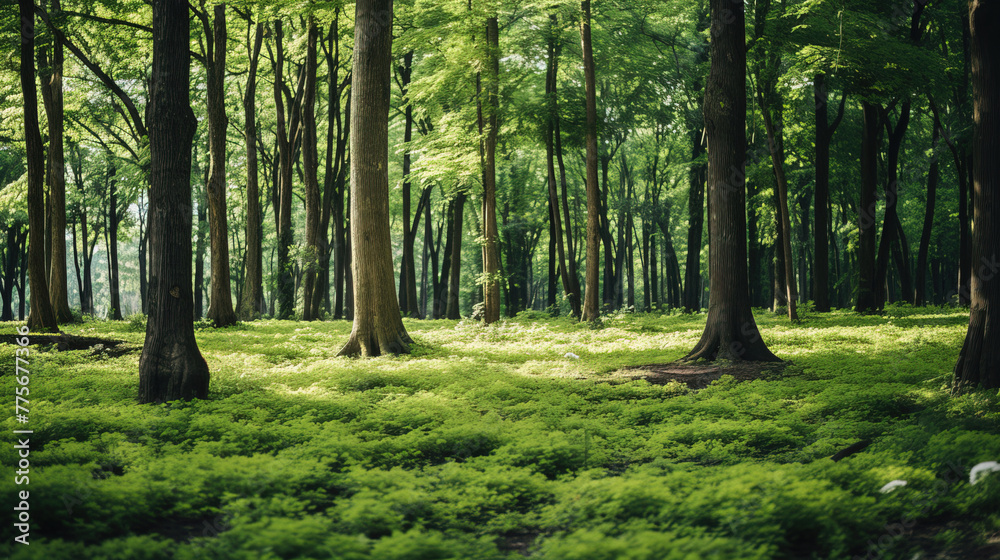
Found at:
<point>493,443</point>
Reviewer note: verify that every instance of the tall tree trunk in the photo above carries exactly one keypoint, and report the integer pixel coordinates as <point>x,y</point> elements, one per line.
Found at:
<point>933,174</point>
<point>730,329</point>
<point>199,261</point>
<point>11,258</point>
<point>488,126</point>
<point>333,180</point>
<point>591,301</point>
<point>558,259</point>
<point>378,326</point>
<point>454,305</point>
<point>890,223</point>
<point>774,127</point>
<point>696,220</point>
<point>115,311</point>
<point>252,301</point>
<point>979,361</point>
<point>866,215</point>
<point>220,308</point>
<point>310,165</point>
<point>411,220</point>
<point>441,291</point>
<point>51,75</point>
<point>286,280</point>
<point>42,316</point>
<point>821,205</point>
<point>171,367</point>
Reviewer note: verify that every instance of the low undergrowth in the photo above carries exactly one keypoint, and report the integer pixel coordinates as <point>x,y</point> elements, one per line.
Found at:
<point>492,442</point>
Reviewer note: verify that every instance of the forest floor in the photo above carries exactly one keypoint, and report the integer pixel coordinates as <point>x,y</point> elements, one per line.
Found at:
<point>496,442</point>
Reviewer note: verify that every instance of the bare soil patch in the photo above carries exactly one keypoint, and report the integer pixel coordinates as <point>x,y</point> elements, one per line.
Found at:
<point>63,342</point>
<point>700,375</point>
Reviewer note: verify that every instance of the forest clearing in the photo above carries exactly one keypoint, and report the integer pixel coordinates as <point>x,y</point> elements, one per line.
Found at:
<point>489,442</point>
<point>483,279</point>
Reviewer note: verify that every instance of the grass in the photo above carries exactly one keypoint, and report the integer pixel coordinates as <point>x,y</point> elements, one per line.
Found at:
<point>492,443</point>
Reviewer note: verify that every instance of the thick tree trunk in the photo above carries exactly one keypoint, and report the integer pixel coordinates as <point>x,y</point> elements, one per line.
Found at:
<point>52,94</point>
<point>252,299</point>
<point>42,317</point>
<point>591,298</point>
<point>730,329</point>
<point>866,214</point>
<point>220,308</point>
<point>979,361</point>
<point>378,326</point>
<point>171,367</point>
<point>310,169</point>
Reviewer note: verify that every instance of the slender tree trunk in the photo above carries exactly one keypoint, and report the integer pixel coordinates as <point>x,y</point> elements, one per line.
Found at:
<point>591,301</point>
<point>821,206</point>
<point>774,130</point>
<point>310,165</point>
<point>171,367</point>
<point>933,174</point>
<point>488,126</point>
<point>730,329</point>
<point>252,299</point>
<point>333,180</point>
<point>979,361</point>
<point>890,222</point>
<point>286,279</point>
<point>15,241</point>
<point>378,326</point>
<point>199,261</point>
<point>42,316</point>
<point>51,74</point>
<point>866,215</point>
<point>220,308</point>
<point>115,311</point>
<point>454,310</point>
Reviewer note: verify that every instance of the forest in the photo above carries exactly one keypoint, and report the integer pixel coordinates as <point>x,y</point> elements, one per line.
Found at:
<point>477,279</point>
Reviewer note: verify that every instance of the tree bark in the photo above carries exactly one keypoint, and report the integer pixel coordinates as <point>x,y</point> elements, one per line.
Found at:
<point>42,317</point>
<point>591,298</point>
<point>171,367</point>
<point>252,301</point>
<point>730,329</point>
<point>378,326</point>
<point>979,361</point>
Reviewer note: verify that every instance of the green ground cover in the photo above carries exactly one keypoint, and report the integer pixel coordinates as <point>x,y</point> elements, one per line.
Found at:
<point>491,443</point>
